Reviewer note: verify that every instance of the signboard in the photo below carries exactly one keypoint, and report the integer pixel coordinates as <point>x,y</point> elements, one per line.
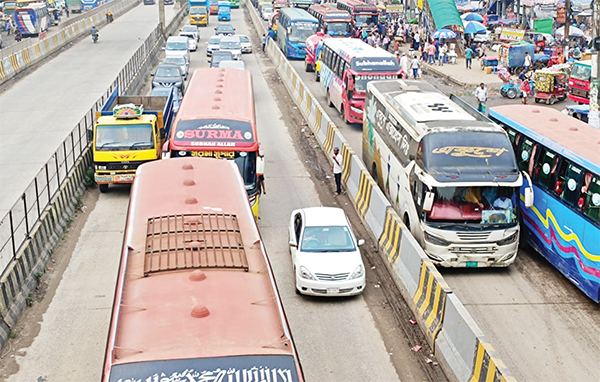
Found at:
<point>512,34</point>
<point>375,64</point>
<point>561,15</point>
<point>215,133</point>
<point>394,8</point>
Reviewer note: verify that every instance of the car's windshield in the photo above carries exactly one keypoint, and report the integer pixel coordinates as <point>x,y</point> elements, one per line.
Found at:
<point>164,71</point>
<point>230,44</point>
<point>225,28</point>
<point>339,28</point>
<point>301,30</point>
<point>189,29</point>
<point>481,205</point>
<point>327,239</point>
<point>175,60</point>
<point>124,137</point>
<point>244,39</point>
<point>198,11</point>
<point>267,9</point>
<point>214,40</point>
<point>176,45</point>
<point>581,72</point>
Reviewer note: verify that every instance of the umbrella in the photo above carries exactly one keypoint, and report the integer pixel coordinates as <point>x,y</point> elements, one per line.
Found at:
<point>474,27</point>
<point>573,31</point>
<point>471,17</point>
<point>444,34</point>
<point>413,21</point>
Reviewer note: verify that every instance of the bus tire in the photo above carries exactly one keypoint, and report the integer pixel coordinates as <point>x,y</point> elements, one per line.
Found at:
<point>374,172</point>
<point>309,67</point>
<point>103,188</point>
<point>329,103</point>
<point>344,116</point>
<point>406,221</point>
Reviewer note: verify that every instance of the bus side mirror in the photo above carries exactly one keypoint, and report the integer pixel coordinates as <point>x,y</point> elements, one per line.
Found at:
<point>428,201</point>
<point>162,133</point>
<point>528,192</point>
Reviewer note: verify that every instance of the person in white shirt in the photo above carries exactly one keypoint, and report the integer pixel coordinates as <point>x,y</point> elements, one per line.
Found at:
<point>404,64</point>
<point>527,63</point>
<point>338,159</point>
<point>481,94</point>
<point>415,67</point>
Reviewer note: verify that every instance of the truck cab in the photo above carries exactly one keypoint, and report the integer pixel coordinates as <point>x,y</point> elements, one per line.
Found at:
<point>129,131</point>
<point>224,11</point>
<point>198,12</point>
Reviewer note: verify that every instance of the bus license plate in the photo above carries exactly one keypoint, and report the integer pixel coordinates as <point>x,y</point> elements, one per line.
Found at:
<point>471,264</point>
<point>123,178</point>
<point>333,290</point>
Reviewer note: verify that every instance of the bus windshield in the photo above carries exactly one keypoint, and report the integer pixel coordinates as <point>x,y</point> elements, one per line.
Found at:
<point>301,30</point>
<point>339,28</point>
<point>581,72</point>
<point>481,205</point>
<point>360,82</point>
<point>366,19</point>
<point>124,137</point>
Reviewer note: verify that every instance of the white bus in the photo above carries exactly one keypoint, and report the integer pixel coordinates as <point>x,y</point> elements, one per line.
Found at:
<point>347,65</point>
<point>449,172</point>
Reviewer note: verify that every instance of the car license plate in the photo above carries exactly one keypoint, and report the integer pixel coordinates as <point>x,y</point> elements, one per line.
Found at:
<point>333,290</point>
<point>123,178</point>
<point>471,264</point>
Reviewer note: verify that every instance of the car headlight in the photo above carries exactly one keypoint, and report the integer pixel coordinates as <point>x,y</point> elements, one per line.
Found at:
<point>509,240</point>
<point>305,274</point>
<point>100,167</point>
<point>359,272</point>
<point>356,110</point>
<point>436,240</point>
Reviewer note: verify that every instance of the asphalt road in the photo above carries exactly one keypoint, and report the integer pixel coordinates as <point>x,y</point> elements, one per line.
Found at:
<point>542,326</point>
<point>39,110</point>
<point>349,339</point>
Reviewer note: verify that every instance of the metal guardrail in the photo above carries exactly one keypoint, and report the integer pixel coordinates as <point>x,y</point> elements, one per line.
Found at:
<point>16,225</point>
<point>26,43</point>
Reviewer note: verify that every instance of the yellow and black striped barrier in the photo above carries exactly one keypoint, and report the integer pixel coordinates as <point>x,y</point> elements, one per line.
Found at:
<point>486,367</point>
<point>363,197</point>
<point>391,238</point>
<point>430,299</point>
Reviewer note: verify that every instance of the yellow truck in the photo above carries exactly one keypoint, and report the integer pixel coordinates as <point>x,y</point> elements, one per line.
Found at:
<point>198,12</point>
<point>129,131</point>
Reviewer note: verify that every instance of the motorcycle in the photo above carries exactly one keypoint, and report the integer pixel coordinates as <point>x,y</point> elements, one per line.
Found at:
<point>95,37</point>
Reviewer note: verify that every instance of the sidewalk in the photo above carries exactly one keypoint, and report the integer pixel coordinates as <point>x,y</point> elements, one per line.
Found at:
<point>459,75</point>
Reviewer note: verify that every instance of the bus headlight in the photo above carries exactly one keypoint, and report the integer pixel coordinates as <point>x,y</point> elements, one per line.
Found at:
<point>356,110</point>
<point>100,167</point>
<point>436,240</point>
<point>509,240</point>
<point>182,153</point>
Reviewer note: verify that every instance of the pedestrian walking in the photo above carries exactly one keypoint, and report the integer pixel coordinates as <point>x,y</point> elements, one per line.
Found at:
<point>527,63</point>
<point>264,42</point>
<point>8,26</point>
<point>404,64</point>
<point>468,57</point>
<point>338,159</point>
<point>431,54</point>
<point>481,93</point>
<point>67,11</point>
<point>442,54</point>
<point>415,64</point>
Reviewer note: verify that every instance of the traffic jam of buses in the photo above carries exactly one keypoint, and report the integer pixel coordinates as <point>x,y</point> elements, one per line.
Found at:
<point>472,178</point>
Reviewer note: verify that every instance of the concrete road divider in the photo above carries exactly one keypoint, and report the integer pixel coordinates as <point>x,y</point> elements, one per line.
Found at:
<point>459,344</point>
<point>17,61</point>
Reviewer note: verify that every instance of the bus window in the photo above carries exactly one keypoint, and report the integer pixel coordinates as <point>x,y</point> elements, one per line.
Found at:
<point>512,135</point>
<point>571,190</point>
<point>591,208</point>
<point>546,168</point>
<point>559,185</point>
<point>525,154</point>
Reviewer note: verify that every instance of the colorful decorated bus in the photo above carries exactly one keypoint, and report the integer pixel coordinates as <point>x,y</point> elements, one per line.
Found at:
<point>32,19</point>
<point>294,26</point>
<point>364,15</point>
<point>346,66</point>
<point>196,297</point>
<point>332,21</point>
<point>562,156</point>
<point>216,119</point>
<point>449,172</point>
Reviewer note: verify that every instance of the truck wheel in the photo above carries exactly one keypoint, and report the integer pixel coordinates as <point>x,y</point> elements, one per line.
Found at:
<point>103,188</point>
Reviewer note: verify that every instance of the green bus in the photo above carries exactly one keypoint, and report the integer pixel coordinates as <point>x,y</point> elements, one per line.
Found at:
<point>234,3</point>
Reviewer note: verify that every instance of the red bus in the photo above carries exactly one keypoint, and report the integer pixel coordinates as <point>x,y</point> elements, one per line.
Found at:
<point>346,66</point>
<point>216,119</point>
<point>579,82</point>
<point>332,21</point>
<point>196,298</point>
<point>364,15</point>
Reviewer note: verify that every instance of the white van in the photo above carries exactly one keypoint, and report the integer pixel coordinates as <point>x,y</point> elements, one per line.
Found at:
<point>177,46</point>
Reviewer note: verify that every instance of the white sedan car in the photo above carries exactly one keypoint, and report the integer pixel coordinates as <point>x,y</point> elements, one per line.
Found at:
<point>246,44</point>
<point>325,254</point>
